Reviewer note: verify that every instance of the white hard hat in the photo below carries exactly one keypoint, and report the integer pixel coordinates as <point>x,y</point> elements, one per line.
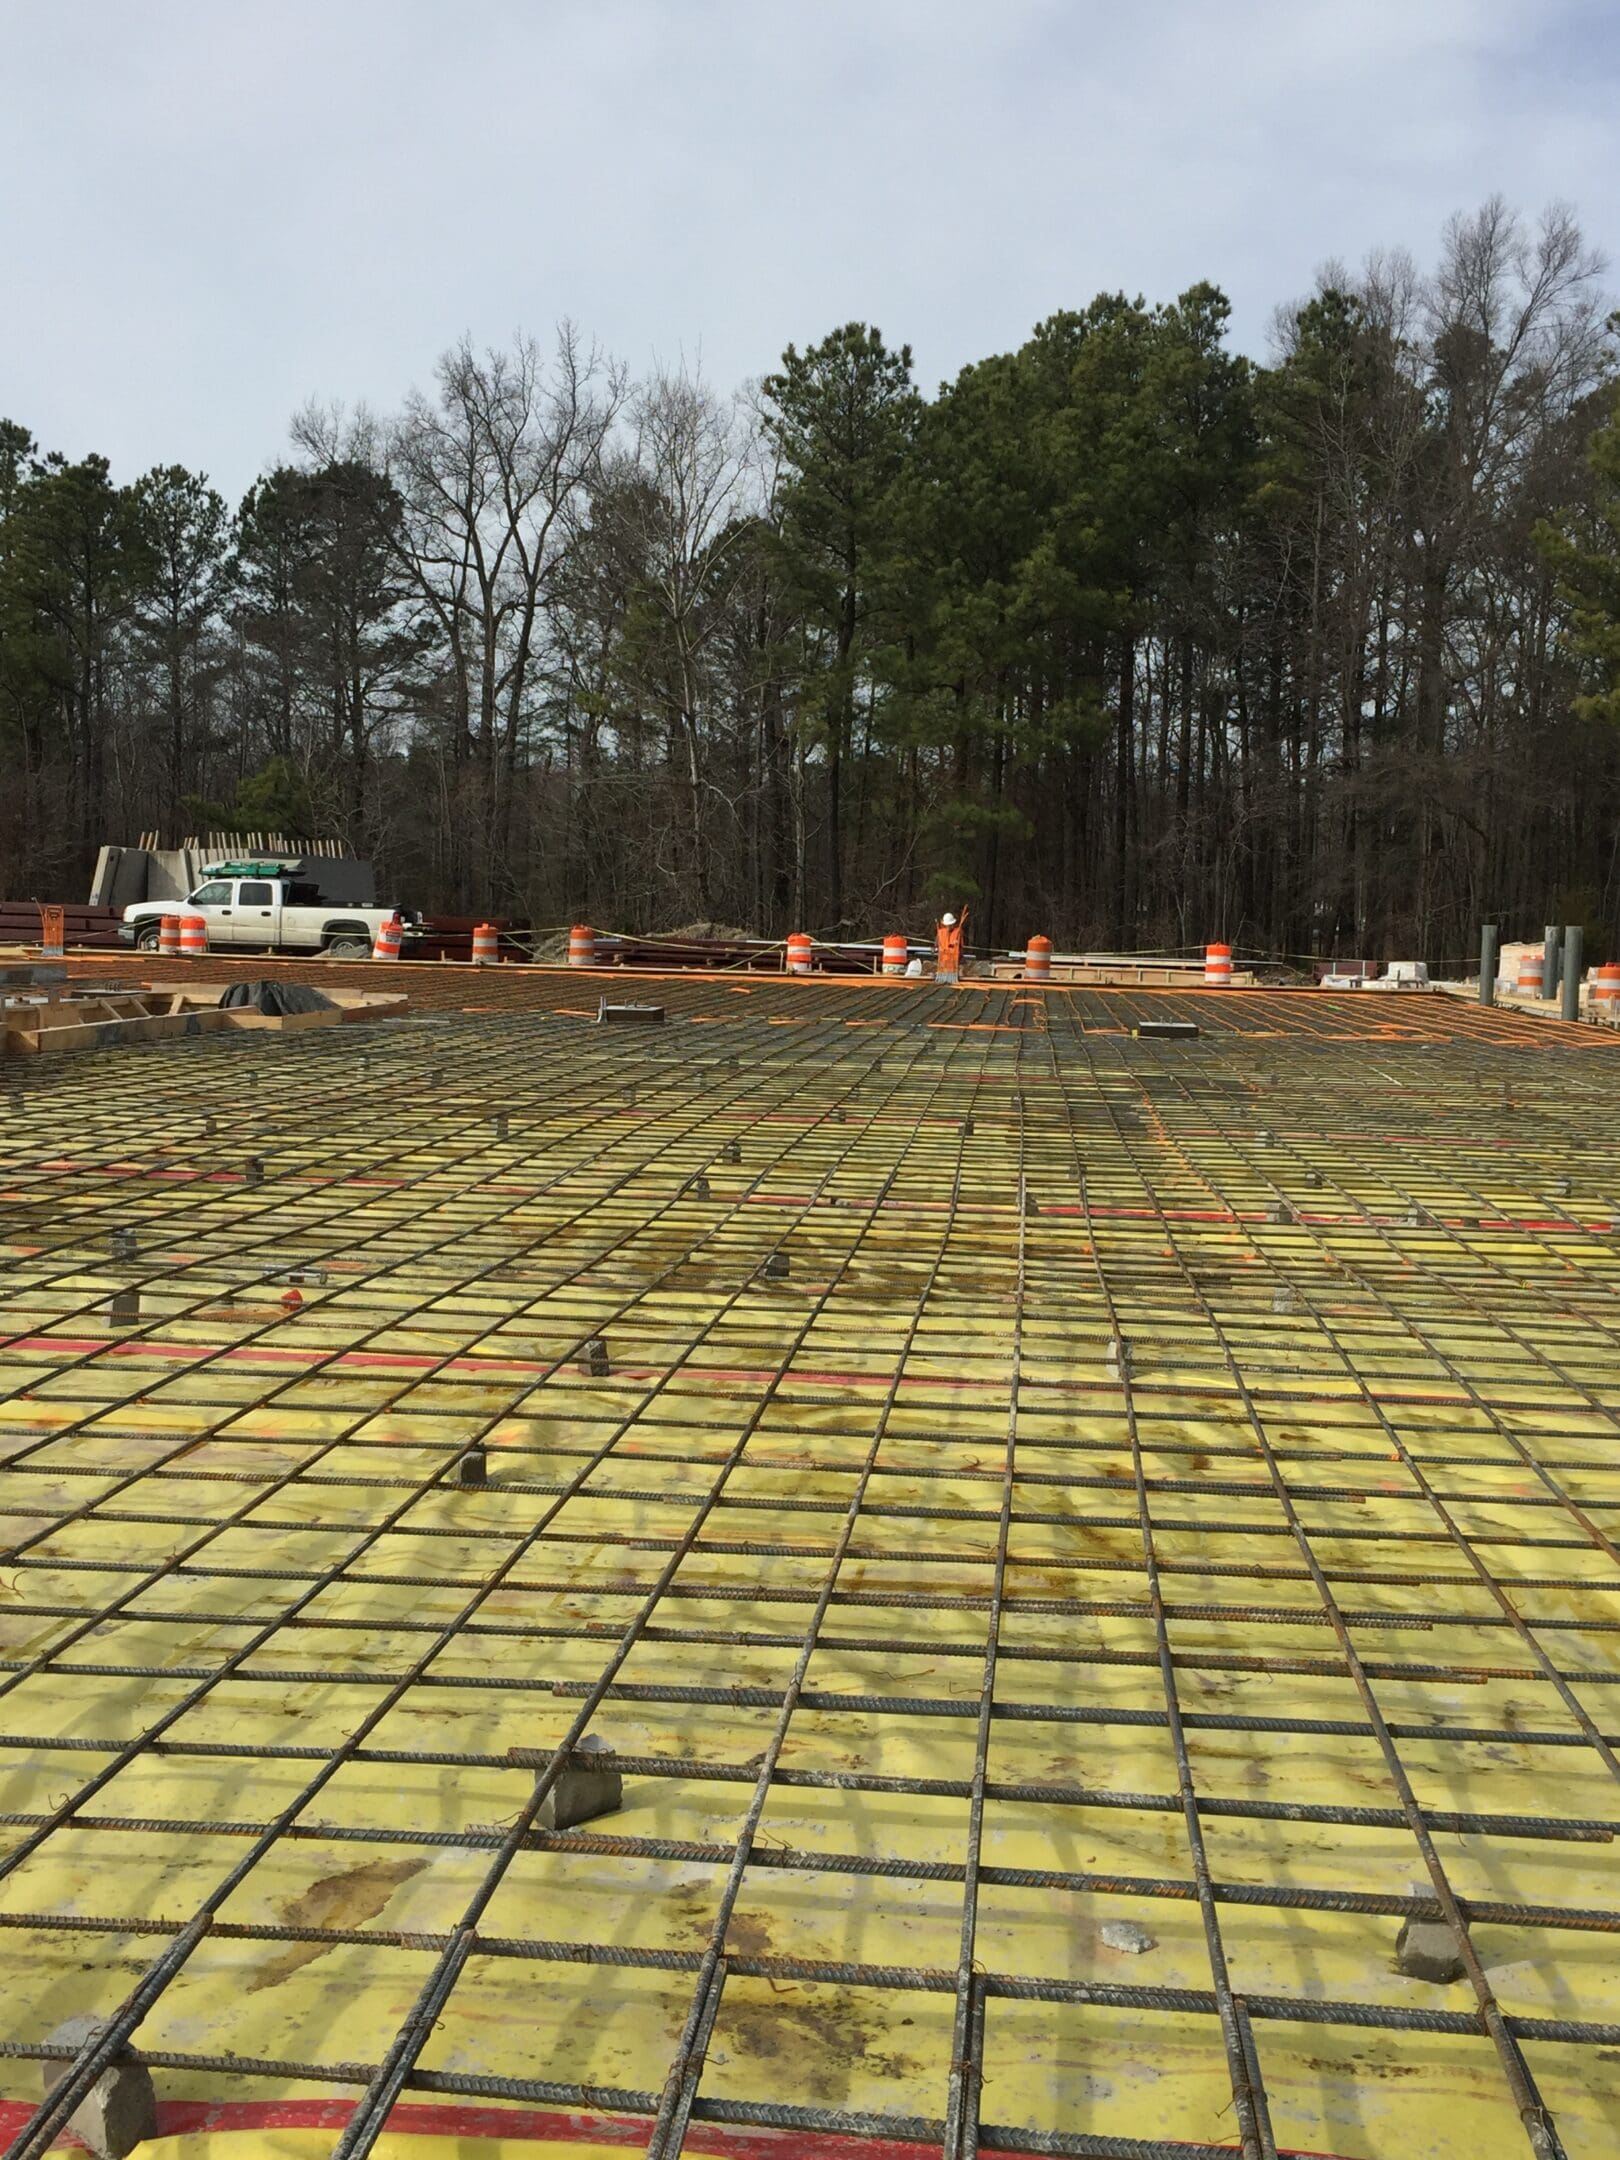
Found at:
<point>950,920</point>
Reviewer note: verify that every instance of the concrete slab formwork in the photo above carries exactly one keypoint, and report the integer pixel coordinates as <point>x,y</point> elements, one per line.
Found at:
<point>1086,1563</point>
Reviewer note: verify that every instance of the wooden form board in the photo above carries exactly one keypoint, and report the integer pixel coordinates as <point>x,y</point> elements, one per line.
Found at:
<point>1123,974</point>
<point>114,1021</point>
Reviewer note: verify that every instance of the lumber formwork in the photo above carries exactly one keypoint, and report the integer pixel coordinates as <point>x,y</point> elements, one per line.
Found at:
<point>1078,1547</point>
<point>67,1019</point>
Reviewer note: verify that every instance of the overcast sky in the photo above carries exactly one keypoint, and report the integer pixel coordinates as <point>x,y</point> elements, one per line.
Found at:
<point>214,211</point>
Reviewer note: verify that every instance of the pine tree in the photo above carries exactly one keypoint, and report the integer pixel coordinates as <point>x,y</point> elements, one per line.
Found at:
<point>1584,549</point>
<point>841,417</point>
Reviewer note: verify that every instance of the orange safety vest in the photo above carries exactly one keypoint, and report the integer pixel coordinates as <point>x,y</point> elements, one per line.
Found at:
<point>949,939</point>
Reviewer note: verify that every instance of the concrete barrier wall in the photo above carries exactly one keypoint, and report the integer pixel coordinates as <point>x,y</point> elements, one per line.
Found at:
<point>126,875</point>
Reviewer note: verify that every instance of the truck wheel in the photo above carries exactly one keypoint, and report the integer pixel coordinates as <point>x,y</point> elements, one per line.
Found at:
<point>147,937</point>
<point>349,948</point>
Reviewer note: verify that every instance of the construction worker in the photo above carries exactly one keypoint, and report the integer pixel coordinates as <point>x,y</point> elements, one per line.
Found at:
<point>948,941</point>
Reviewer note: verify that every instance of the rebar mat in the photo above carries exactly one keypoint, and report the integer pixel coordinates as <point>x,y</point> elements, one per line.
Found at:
<point>1090,1556</point>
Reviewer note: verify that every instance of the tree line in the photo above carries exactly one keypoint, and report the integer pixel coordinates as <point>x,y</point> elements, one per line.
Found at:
<point>1120,636</point>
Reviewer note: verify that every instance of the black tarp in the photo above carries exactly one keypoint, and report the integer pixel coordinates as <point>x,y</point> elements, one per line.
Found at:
<point>276,997</point>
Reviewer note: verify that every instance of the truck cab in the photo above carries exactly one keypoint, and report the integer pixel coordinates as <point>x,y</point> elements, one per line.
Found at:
<point>239,911</point>
<point>265,907</point>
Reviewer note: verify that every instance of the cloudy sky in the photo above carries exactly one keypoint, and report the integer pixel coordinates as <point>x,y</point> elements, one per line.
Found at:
<point>213,212</point>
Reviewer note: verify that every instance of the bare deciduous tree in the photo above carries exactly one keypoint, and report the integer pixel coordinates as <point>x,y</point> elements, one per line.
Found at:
<point>494,470</point>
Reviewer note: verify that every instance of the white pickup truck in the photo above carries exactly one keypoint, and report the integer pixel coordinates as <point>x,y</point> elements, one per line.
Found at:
<point>279,913</point>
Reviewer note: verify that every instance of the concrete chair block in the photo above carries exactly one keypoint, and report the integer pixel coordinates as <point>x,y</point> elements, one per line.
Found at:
<point>120,2110</point>
<point>1427,1950</point>
<point>582,1792</point>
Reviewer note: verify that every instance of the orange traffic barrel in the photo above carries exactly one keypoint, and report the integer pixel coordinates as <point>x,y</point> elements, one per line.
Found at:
<point>582,946</point>
<point>169,935</point>
<point>1606,990</point>
<point>51,922</point>
<point>799,949</point>
<point>1217,967</point>
<point>1529,982</point>
<point>1038,960</point>
<point>894,956</point>
<point>485,944</point>
<point>385,945</point>
<point>193,935</point>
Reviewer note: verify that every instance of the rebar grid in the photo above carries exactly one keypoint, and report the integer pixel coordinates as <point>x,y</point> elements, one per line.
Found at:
<point>1322,1303</point>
